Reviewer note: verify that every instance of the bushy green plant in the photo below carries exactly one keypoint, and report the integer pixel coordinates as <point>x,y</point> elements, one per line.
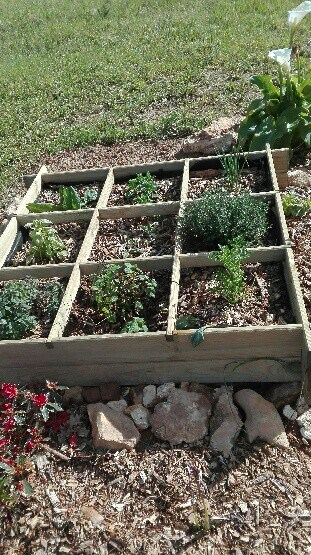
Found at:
<point>217,218</point>
<point>121,291</point>
<point>69,200</point>
<point>45,243</point>
<point>230,278</point>
<point>136,325</point>
<point>20,300</point>
<point>141,189</point>
<point>295,206</point>
<point>282,117</point>
<point>233,164</point>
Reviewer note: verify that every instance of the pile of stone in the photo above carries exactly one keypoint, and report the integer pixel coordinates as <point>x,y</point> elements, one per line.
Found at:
<point>189,412</point>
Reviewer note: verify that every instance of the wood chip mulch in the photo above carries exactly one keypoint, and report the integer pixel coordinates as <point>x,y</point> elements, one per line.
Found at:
<point>167,190</point>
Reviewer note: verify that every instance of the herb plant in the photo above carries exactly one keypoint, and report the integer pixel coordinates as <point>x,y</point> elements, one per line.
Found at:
<point>282,117</point>
<point>217,218</point>
<point>141,189</point>
<point>121,291</point>
<point>233,165</point>
<point>230,278</point>
<point>295,206</point>
<point>69,200</point>
<point>136,325</point>
<point>45,244</point>
<point>20,303</point>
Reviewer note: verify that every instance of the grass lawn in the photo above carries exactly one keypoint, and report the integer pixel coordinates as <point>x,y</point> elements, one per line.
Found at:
<point>75,73</point>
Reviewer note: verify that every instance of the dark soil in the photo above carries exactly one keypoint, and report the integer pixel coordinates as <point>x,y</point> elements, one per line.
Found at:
<point>266,301</point>
<point>86,320</point>
<point>251,181</point>
<point>72,234</point>
<point>167,190</point>
<point>129,238</point>
<point>50,193</point>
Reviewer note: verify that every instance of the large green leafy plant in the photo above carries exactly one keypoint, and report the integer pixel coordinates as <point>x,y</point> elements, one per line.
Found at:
<point>282,116</point>
<point>45,243</point>
<point>68,200</point>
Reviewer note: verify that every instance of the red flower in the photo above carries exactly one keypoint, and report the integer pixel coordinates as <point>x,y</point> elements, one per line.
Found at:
<point>29,446</point>
<point>9,391</point>
<point>3,442</point>
<point>39,400</point>
<point>6,406</point>
<point>8,424</point>
<point>19,486</point>
<point>73,440</point>
<point>56,420</point>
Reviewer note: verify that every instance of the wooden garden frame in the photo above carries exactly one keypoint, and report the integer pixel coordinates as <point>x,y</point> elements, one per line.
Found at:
<point>268,353</point>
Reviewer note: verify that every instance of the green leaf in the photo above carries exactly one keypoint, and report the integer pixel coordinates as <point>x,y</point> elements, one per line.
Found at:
<point>187,322</point>
<point>247,129</point>
<point>262,134</point>
<point>28,489</point>
<point>305,89</point>
<point>55,406</point>
<point>69,198</point>
<point>197,337</point>
<point>7,468</point>
<point>45,413</point>
<point>264,83</point>
<point>38,208</point>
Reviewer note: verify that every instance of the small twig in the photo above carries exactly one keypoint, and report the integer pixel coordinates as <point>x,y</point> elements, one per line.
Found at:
<point>54,452</point>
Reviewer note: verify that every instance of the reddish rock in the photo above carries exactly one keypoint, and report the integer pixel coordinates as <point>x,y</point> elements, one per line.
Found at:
<point>283,394</point>
<point>225,424</point>
<point>183,417</point>
<point>91,394</point>
<point>136,394</point>
<point>110,391</point>
<point>202,388</point>
<point>111,429</point>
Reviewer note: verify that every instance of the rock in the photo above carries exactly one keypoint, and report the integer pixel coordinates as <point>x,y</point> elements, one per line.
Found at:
<point>136,394</point>
<point>164,390</point>
<point>183,417</point>
<point>262,419</point>
<point>299,178</point>
<point>306,433</point>
<point>140,416</point>
<point>111,429</point>
<point>149,395</point>
<point>91,394</point>
<point>225,425</point>
<point>110,391</point>
<point>73,395</point>
<point>118,406</point>
<point>289,412</point>
<point>283,394</point>
<point>184,385</point>
<point>301,406</point>
<point>219,136</point>
<point>201,388</point>
<point>89,513</point>
<point>305,420</point>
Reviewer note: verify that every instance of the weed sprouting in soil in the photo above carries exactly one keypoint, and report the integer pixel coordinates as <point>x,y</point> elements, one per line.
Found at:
<point>141,189</point>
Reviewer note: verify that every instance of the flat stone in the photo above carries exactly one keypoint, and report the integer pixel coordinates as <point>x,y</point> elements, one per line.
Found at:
<point>136,394</point>
<point>140,416</point>
<point>73,395</point>
<point>149,395</point>
<point>220,135</point>
<point>262,419</point>
<point>305,420</point>
<point>283,394</point>
<point>91,394</point>
<point>225,425</point>
<point>289,412</point>
<point>164,390</point>
<point>118,406</point>
<point>110,391</point>
<point>306,433</point>
<point>111,429</point>
<point>183,417</point>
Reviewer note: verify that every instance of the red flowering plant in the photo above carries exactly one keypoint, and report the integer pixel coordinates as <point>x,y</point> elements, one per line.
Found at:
<point>25,415</point>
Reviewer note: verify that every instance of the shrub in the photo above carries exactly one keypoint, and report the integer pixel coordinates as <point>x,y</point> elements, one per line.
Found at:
<point>120,292</point>
<point>21,300</point>
<point>230,278</point>
<point>218,218</point>
<point>45,243</point>
<point>141,189</point>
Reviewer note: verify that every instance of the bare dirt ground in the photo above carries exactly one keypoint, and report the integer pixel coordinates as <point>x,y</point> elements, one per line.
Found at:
<point>150,501</point>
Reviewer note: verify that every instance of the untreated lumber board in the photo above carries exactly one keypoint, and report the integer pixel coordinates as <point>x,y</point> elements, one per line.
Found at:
<point>136,211</point>
<point>259,254</point>
<point>7,239</point>
<point>32,193</point>
<point>43,271</point>
<point>281,165</point>
<point>152,263</point>
<point>62,315</point>
<point>61,217</point>
<point>273,176</point>
<point>173,300</point>
<point>281,219</point>
<point>171,166</point>
<point>75,176</point>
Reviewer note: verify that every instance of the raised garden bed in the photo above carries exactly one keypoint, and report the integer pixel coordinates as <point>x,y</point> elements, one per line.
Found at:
<point>83,349</point>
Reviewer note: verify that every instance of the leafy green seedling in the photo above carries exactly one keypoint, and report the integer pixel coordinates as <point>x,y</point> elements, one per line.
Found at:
<point>142,189</point>
<point>295,206</point>
<point>230,278</point>
<point>45,244</point>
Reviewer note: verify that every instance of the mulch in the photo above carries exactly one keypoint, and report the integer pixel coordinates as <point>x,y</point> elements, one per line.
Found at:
<point>167,190</point>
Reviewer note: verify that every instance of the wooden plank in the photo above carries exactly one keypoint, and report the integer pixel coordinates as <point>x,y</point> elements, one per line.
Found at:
<point>259,254</point>
<point>272,169</point>
<point>106,190</point>
<point>32,193</point>
<point>76,176</point>
<point>96,359</point>
<point>61,217</point>
<point>173,301</point>
<point>281,164</point>
<point>148,264</point>
<point>136,211</point>
<point>7,239</point>
<point>281,219</point>
<point>43,271</point>
<point>213,162</point>
<point>171,166</point>
<point>64,310</point>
